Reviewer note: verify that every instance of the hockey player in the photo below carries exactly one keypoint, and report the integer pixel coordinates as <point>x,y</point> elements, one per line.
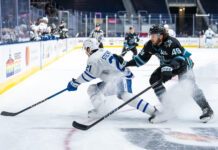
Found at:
<point>171,32</point>
<point>115,80</point>
<point>131,42</point>
<point>174,60</point>
<point>98,34</point>
<point>209,34</point>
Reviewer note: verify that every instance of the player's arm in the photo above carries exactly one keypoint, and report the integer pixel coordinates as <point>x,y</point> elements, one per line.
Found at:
<point>137,38</point>
<point>91,34</point>
<point>179,55</point>
<point>178,61</point>
<point>142,58</point>
<point>91,73</point>
<point>125,44</point>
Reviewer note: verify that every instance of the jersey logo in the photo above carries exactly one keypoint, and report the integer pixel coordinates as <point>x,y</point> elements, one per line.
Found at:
<point>142,53</point>
<point>168,43</point>
<point>163,52</point>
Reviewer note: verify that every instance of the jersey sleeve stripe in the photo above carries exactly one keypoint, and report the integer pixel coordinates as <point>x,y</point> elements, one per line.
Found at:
<point>85,78</point>
<point>76,82</point>
<point>139,61</point>
<point>88,74</point>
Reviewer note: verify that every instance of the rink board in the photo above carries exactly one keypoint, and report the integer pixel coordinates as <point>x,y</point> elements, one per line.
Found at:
<point>19,61</point>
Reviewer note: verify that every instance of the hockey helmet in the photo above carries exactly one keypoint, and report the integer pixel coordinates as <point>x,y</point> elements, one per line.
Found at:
<point>97,25</point>
<point>91,43</point>
<point>157,29</point>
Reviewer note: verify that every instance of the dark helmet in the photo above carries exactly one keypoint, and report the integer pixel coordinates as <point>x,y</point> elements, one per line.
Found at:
<point>130,28</point>
<point>157,29</point>
<point>97,25</point>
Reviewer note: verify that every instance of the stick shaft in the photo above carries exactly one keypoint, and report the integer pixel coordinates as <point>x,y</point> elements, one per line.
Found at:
<point>25,109</point>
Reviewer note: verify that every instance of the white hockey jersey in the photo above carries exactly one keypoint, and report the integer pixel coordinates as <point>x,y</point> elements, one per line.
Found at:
<point>209,33</point>
<point>98,35</point>
<point>102,64</point>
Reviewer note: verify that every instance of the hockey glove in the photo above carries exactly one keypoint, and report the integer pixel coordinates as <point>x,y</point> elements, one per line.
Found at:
<point>136,44</point>
<point>167,73</point>
<point>72,85</point>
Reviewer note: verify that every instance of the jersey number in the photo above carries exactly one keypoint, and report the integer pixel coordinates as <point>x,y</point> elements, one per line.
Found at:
<point>176,51</point>
<point>88,68</point>
<point>106,55</point>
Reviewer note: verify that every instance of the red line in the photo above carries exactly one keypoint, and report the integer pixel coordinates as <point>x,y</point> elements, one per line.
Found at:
<point>73,130</point>
<point>69,136</point>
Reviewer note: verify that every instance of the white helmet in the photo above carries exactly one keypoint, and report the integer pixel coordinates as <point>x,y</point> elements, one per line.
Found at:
<point>166,26</point>
<point>91,43</point>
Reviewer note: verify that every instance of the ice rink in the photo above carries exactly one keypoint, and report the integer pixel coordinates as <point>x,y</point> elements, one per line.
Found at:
<point>49,125</point>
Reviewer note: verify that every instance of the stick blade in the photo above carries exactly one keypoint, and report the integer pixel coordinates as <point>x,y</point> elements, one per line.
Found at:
<point>80,126</point>
<point>5,113</point>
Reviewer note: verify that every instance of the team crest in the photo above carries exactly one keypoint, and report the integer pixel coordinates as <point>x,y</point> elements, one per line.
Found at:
<point>168,43</point>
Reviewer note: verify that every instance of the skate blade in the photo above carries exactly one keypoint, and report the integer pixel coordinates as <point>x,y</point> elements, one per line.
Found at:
<point>153,121</point>
<point>206,119</point>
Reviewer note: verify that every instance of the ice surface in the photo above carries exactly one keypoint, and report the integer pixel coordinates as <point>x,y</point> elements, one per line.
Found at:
<point>49,125</point>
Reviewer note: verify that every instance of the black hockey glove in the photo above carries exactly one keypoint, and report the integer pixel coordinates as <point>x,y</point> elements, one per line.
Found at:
<point>136,44</point>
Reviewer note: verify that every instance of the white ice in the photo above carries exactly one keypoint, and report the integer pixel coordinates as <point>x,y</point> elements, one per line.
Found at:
<point>49,125</point>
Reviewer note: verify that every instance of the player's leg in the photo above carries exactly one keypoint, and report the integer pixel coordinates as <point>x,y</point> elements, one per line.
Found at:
<point>159,89</point>
<point>210,43</point>
<point>134,51</point>
<point>125,93</point>
<point>95,92</point>
<point>199,97</point>
<point>124,51</point>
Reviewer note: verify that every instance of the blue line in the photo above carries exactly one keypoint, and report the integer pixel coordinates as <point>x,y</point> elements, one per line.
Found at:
<point>85,78</point>
<point>145,107</point>
<point>89,75</point>
<point>139,103</point>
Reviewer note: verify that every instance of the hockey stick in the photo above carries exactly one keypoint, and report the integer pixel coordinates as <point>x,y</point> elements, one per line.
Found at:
<point>124,52</point>
<point>86,127</point>
<point>5,113</point>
